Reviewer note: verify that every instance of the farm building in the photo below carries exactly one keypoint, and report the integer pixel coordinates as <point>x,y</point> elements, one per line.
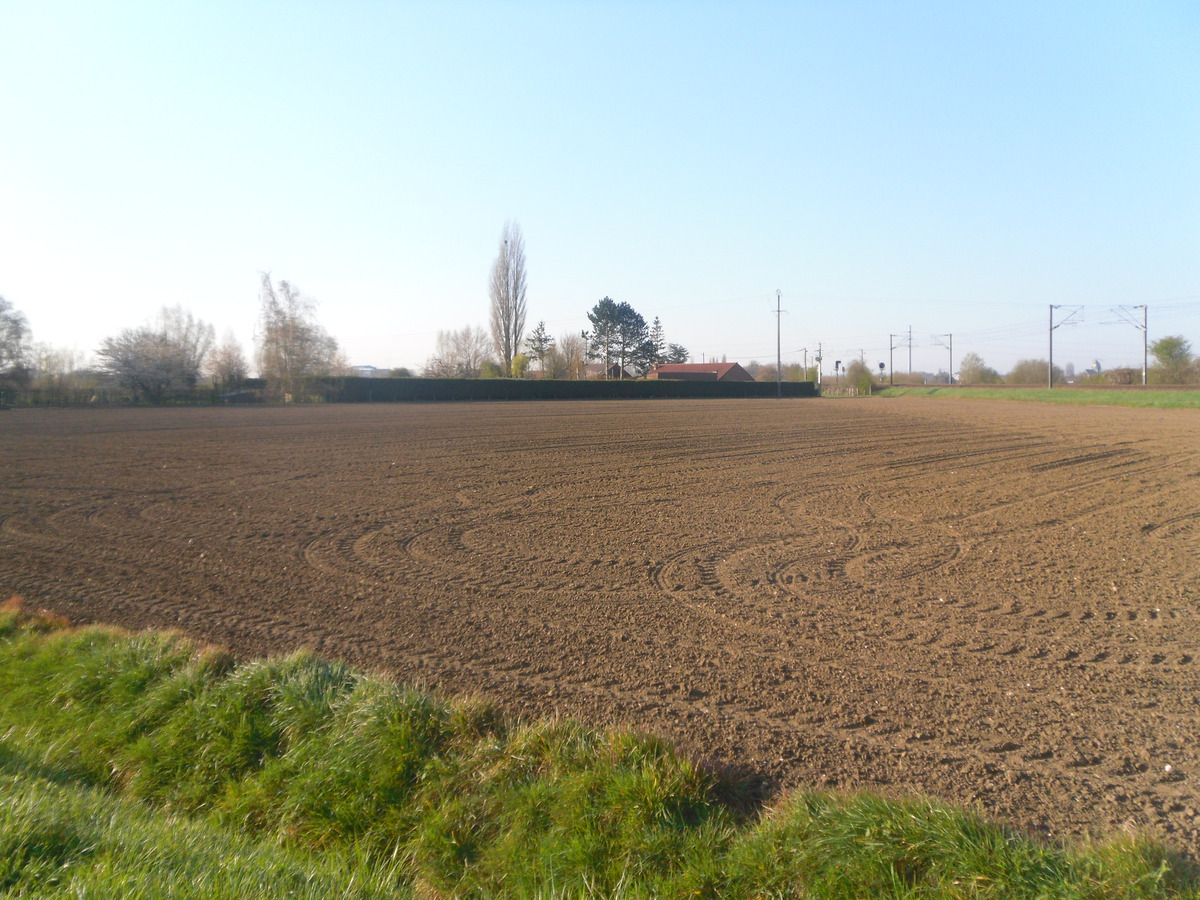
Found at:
<point>700,372</point>
<point>614,371</point>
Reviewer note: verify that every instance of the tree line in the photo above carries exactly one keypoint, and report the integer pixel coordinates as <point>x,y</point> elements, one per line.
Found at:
<point>176,353</point>
<point>1174,364</point>
<point>619,337</point>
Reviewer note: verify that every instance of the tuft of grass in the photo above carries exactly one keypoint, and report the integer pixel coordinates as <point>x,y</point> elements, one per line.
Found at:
<point>142,765</point>
<point>862,845</point>
<point>86,687</point>
<point>72,841</point>
<point>1075,396</point>
<point>13,616</point>
<point>589,812</point>
<point>232,726</point>
<point>353,778</point>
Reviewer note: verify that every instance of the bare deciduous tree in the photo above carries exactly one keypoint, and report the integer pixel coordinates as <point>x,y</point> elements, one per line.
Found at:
<point>227,366</point>
<point>193,338</point>
<point>290,343</point>
<point>14,338</point>
<point>459,354</point>
<point>1031,371</point>
<point>567,358</point>
<point>572,349</point>
<point>55,367</point>
<point>167,355</point>
<point>508,295</point>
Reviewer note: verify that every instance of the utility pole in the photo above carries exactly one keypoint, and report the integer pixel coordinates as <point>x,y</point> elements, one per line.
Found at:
<point>1145,335</point>
<point>803,350</point>
<point>778,345</point>
<point>1050,368</point>
<point>950,338</point>
<point>909,349</point>
<point>1125,315</point>
<point>1066,321</point>
<point>892,359</point>
<point>818,359</point>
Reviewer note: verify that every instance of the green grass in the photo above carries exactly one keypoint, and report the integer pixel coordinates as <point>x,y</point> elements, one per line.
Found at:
<point>66,839</point>
<point>142,765</point>
<point>1079,396</point>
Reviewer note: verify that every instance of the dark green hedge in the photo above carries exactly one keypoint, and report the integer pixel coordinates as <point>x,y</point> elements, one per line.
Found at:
<point>440,390</point>
<point>249,391</point>
<point>353,389</point>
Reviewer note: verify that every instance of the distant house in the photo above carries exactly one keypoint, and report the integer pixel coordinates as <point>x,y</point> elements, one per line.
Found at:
<point>366,371</point>
<point>597,370</point>
<point>699,372</point>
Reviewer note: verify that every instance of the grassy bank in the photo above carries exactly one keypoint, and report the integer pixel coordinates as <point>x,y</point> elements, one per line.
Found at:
<point>143,765</point>
<point>64,838</point>
<point>1081,396</point>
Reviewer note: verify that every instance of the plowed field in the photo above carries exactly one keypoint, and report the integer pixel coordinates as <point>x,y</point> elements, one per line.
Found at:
<point>996,603</point>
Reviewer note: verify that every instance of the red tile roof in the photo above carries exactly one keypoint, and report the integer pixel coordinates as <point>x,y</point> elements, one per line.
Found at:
<point>705,371</point>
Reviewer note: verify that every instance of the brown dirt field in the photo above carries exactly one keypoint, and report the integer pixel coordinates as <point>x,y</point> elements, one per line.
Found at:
<point>997,603</point>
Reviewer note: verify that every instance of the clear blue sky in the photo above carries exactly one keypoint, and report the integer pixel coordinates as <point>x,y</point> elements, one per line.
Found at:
<point>954,167</point>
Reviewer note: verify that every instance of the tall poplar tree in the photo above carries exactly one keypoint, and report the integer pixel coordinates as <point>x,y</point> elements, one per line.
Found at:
<point>508,296</point>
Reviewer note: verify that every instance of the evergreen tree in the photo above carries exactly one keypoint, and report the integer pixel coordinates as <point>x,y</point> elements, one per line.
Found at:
<point>658,342</point>
<point>619,336</point>
<point>540,343</point>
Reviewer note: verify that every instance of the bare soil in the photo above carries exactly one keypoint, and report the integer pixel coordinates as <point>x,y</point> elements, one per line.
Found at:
<point>996,603</point>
